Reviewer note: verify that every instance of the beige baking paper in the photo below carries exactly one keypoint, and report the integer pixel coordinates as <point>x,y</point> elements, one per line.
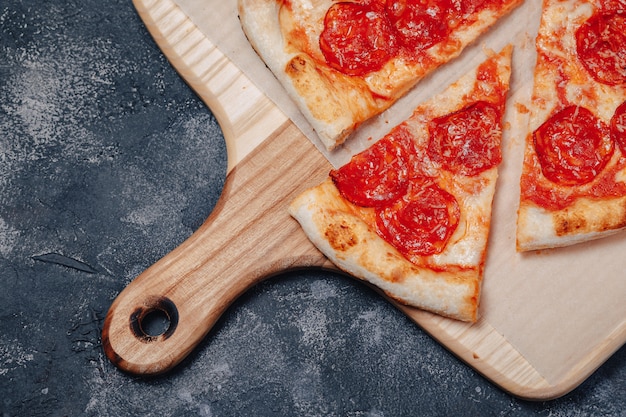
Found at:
<point>554,306</point>
<point>219,22</point>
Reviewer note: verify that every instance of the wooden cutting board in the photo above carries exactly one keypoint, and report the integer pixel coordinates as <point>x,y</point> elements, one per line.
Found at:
<point>250,236</point>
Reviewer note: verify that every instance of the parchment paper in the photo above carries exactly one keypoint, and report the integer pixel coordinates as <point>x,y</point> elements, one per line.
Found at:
<point>218,20</point>
<point>548,304</point>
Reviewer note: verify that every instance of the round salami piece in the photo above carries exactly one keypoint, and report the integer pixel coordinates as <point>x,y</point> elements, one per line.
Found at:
<point>573,146</point>
<point>601,47</point>
<point>357,38</point>
<point>378,175</point>
<point>421,222</point>
<point>468,141</point>
<point>420,23</point>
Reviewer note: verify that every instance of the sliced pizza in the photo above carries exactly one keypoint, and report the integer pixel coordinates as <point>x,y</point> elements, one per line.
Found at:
<point>411,214</point>
<point>573,185</point>
<point>343,62</point>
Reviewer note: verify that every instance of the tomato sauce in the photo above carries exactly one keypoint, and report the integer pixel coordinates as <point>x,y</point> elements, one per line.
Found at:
<point>536,188</point>
<point>575,152</point>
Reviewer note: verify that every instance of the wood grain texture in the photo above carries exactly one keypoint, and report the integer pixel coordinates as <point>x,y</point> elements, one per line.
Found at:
<point>247,238</point>
<point>250,236</point>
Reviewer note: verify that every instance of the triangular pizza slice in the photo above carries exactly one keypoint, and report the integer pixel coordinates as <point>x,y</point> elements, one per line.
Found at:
<point>343,62</point>
<point>411,214</point>
<point>573,183</point>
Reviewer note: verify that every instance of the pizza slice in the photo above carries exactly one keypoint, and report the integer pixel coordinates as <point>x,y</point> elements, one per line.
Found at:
<point>343,62</point>
<point>411,214</point>
<point>573,182</point>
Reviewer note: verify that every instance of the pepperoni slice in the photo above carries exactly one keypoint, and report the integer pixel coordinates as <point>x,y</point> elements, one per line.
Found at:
<point>618,127</point>
<point>378,175</point>
<point>467,142</point>
<point>601,47</point>
<point>421,222</point>
<point>420,23</point>
<point>357,38</point>
<point>572,146</point>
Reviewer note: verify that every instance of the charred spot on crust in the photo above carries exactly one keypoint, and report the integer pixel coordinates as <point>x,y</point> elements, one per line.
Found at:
<point>296,65</point>
<point>397,275</point>
<point>340,236</point>
<point>571,223</point>
<point>565,225</point>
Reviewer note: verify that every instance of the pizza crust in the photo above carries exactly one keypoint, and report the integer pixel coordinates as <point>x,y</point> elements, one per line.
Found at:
<point>356,249</point>
<point>561,80</point>
<point>333,103</point>
<point>583,221</point>
<point>296,71</point>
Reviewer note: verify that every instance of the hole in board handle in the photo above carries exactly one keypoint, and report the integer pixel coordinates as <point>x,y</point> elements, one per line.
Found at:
<point>157,319</point>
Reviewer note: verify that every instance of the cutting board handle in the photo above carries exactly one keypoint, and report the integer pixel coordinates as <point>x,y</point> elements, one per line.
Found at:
<point>248,237</point>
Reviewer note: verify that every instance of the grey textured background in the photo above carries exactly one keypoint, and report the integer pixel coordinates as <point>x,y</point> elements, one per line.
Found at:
<point>107,162</point>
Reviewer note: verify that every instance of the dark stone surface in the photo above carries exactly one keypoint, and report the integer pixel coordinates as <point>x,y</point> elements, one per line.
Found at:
<point>107,162</point>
